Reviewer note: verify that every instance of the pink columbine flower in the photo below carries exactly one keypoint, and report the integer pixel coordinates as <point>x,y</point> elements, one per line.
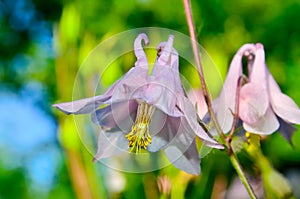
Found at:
<point>147,112</point>
<point>263,108</point>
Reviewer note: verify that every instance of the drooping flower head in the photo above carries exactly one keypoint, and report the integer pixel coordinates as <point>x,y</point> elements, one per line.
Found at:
<point>147,112</point>
<point>263,108</point>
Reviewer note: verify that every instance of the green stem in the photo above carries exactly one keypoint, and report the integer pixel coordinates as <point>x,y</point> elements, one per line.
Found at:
<point>241,175</point>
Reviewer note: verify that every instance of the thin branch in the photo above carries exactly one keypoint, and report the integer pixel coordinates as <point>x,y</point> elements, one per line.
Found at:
<point>187,7</point>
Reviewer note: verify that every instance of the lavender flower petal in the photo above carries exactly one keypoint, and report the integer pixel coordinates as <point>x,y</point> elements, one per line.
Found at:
<point>110,144</point>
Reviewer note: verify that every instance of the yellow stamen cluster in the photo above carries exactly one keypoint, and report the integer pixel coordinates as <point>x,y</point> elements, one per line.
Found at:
<point>139,136</point>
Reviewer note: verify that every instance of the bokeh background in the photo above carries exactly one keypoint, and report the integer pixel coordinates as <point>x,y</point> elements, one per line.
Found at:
<point>42,45</point>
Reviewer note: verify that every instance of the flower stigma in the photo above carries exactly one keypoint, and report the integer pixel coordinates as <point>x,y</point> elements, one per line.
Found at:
<point>139,137</point>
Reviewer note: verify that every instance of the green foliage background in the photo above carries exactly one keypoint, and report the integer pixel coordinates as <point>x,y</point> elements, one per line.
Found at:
<point>74,28</point>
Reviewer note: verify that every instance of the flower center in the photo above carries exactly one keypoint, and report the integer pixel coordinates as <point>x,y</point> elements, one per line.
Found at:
<point>139,136</point>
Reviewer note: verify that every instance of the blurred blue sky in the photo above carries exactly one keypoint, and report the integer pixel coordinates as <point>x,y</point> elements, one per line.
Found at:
<point>28,139</point>
<point>27,130</point>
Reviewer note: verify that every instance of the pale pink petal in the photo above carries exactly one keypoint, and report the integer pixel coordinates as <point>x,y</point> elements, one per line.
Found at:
<point>224,113</point>
<point>175,70</point>
<point>259,72</point>
<point>134,78</point>
<point>187,161</point>
<point>158,120</point>
<point>267,124</point>
<point>110,144</point>
<point>160,97</point>
<point>165,134</point>
<point>166,69</point>
<point>87,105</point>
<point>161,93</point>
<point>282,104</point>
<point>82,106</point>
<point>116,115</point>
<point>165,55</point>
<point>142,60</point>
<point>172,61</point>
<point>272,85</point>
<point>197,99</point>
<point>207,119</point>
<point>226,104</point>
<point>104,118</point>
<point>253,102</point>
<point>190,123</point>
<point>181,149</point>
<point>285,107</point>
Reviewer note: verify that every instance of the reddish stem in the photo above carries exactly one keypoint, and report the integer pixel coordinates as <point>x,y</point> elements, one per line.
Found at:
<point>187,7</point>
<point>237,108</point>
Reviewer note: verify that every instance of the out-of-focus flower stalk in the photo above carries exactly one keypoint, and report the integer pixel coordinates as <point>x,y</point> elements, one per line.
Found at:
<point>275,184</point>
<point>179,184</point>
<point>82,173</point>
<point>74,161</point>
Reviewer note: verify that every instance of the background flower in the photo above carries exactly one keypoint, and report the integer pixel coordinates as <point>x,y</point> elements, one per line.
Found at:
<point>260,97</point>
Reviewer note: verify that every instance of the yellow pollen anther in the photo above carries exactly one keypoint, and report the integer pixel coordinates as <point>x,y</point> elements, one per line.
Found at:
<point>139,136</point>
